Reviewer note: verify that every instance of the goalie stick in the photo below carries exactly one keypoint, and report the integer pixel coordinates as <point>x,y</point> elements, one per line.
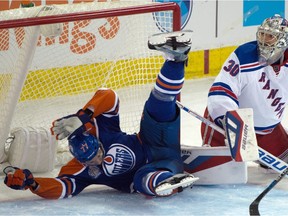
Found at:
<point>264,157</point>
<point>254,206</point>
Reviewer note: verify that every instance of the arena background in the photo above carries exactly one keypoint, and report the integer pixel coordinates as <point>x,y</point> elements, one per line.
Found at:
<point>219,26</point>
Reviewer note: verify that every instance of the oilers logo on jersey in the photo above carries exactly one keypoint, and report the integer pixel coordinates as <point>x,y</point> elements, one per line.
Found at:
<point>118,160</point>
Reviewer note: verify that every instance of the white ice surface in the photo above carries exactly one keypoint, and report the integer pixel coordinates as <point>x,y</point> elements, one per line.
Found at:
<point>200,200</point>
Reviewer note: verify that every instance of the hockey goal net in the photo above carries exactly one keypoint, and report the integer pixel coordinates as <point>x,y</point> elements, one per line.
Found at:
<point>43,78</point>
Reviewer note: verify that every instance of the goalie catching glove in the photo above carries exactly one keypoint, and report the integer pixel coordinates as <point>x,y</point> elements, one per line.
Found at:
<point>19,179</point>
<point>76,123</point>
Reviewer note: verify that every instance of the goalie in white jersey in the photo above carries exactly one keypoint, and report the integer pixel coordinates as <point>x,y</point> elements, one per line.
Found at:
<point>255,76</point>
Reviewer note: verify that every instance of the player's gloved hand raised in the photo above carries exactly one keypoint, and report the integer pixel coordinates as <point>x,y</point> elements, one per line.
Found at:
<point>19,179</point>
<point>76,123</point>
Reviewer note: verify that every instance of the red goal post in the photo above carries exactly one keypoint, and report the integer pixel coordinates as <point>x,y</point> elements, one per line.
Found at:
<point>100,45</point>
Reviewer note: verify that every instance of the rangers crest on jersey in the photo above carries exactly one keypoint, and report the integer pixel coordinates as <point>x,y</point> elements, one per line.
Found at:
<point>118,160</point>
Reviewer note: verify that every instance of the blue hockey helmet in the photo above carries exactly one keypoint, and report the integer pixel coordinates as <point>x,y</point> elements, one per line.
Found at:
<point>83,147</point>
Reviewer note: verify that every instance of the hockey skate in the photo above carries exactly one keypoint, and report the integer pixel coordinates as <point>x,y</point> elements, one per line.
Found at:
<point>174,184</point>
<point>174,45</point>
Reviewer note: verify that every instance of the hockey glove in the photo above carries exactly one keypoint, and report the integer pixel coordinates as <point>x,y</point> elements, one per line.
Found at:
<point>76,123</point>
<point>19,179</point>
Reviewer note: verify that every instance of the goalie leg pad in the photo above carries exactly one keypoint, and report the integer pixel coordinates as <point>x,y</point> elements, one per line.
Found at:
<point>213,165</point>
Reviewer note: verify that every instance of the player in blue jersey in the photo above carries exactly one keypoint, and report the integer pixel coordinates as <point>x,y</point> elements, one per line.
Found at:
<point>255,76</point>
<point>148,162</point>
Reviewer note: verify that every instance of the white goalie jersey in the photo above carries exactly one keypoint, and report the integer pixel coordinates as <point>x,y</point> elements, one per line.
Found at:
<point>244,83</point>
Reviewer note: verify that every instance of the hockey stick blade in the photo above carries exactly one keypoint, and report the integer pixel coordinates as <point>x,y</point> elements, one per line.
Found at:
<point>254,206</point>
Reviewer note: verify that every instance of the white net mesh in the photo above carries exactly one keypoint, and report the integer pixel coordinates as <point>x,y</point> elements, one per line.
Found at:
<point>66,70</point>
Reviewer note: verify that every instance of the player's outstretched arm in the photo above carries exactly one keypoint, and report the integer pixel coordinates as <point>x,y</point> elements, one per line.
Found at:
<point>103,101</point>
<point>19,179</point>
<point>47,188</point>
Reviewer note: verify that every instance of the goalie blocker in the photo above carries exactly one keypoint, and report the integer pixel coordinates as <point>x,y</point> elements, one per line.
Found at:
<point>227,164</point>
<point>243,145</point>
<point>241,136</point>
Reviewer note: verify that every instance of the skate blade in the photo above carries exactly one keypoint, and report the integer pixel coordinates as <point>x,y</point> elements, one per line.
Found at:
<point>189,181</point>
<point>161,38</point>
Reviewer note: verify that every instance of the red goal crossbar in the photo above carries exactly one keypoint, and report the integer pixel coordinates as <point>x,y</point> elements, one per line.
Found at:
<point>97,14</point>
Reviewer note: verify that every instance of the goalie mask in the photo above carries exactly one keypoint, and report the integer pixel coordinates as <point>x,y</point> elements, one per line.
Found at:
<point>272,39</point>
<point>83,147</point>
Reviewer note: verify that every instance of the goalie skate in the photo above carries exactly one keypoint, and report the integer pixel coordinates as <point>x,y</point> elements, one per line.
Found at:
<point>174,184</point>
<point>174,45</point>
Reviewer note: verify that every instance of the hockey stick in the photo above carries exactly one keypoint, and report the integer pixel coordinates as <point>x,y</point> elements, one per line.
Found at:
<point>254,206</point>
<point>264,157</point>
<point>204,120</point>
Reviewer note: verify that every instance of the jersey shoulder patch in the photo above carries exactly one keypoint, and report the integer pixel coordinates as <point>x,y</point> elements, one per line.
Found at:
<point>247,53</point>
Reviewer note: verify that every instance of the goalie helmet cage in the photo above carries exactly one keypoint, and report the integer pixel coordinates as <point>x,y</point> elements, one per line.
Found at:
<point>100,45</point>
